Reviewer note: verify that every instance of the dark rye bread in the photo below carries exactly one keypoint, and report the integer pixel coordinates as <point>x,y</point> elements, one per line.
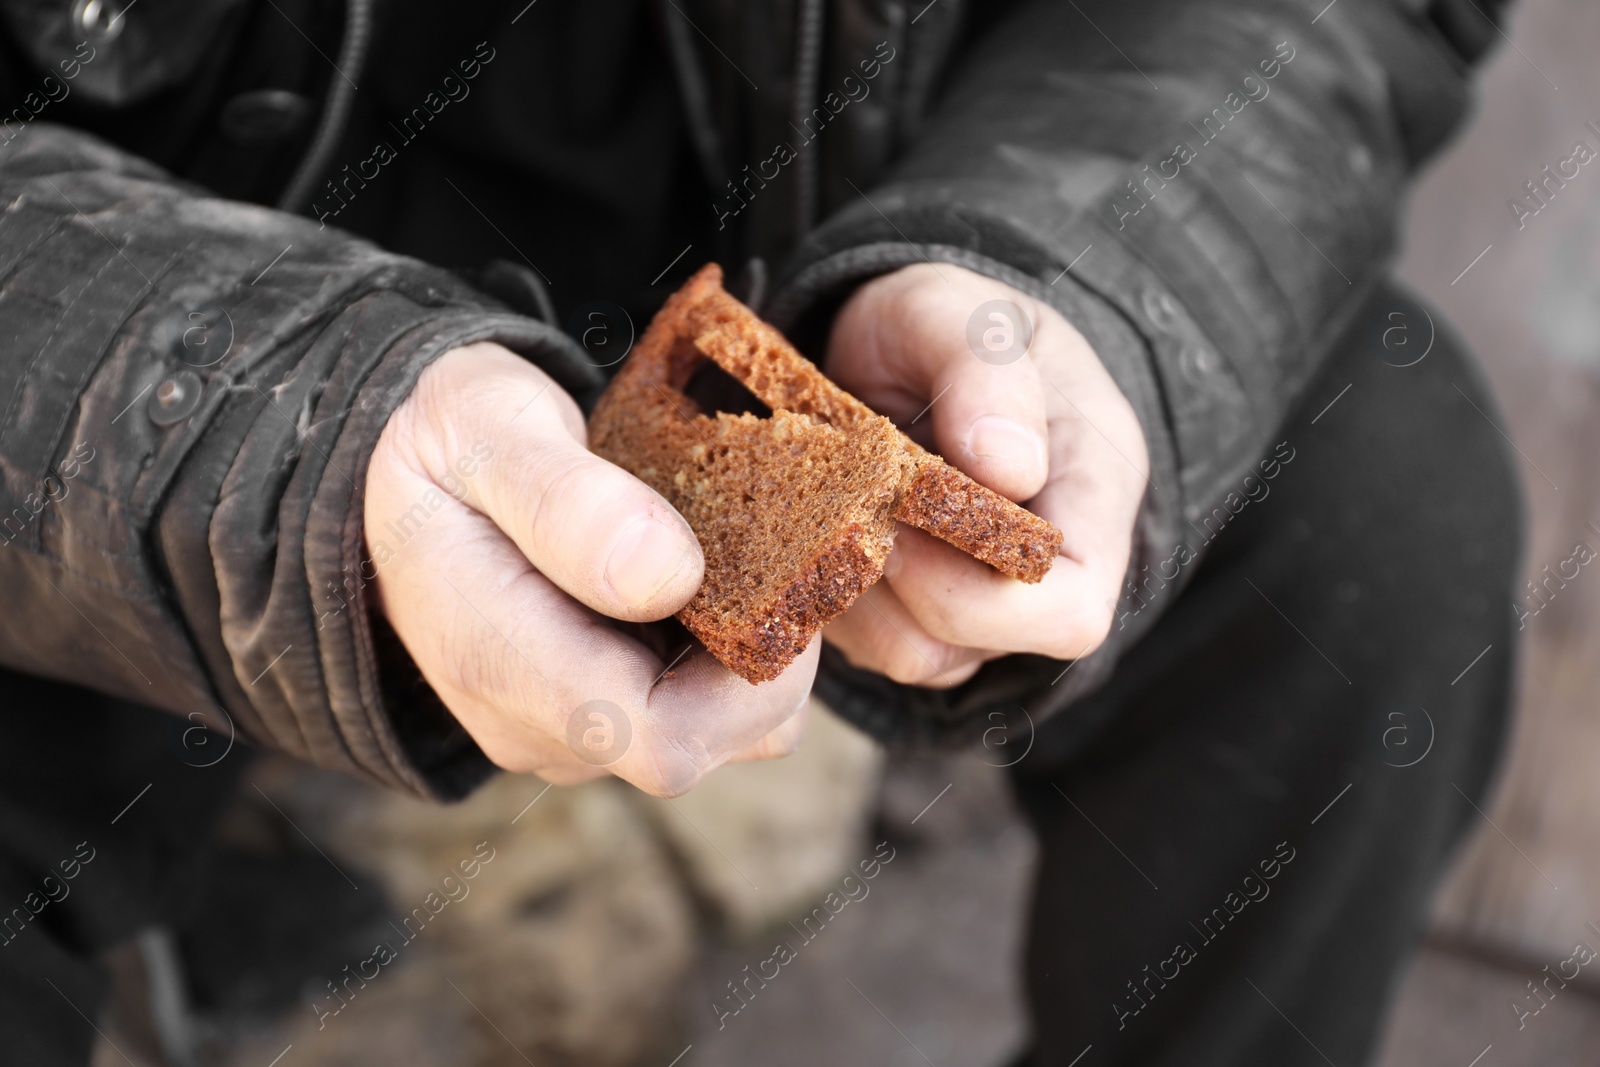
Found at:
<point>796,512</point>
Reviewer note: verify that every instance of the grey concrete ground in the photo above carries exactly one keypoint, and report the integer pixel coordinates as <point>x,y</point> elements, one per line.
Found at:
<point>923,969</point>
<point>1455,1009</point>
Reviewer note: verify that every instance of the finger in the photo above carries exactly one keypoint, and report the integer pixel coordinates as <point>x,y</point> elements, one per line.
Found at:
<point>955,345</point>
<point>1097,480</point>
<point>547,686</point>
<point>500,434</point>
<point>780,742</point>
<point>879,634</point>
<point>957,600</point>
<point>705,715</point>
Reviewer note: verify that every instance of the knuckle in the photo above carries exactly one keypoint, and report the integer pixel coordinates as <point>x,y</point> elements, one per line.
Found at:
<point>938,616</point>
<point>473,667</point>
<point>484,664</point>
<point>875,645</point>
<point>1078,635</point>
<point>559,476</point>
<point>776,745</point>
<point>671,769</point>
<point>908,667</point>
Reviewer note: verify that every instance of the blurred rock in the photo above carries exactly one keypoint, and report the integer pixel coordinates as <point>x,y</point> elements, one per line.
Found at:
<point>568,944</point>
<point>557,926</point>
<point>924,968</point>
<point>759,840</point>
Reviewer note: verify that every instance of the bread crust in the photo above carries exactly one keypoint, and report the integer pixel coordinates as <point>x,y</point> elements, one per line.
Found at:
<point>795,512</point>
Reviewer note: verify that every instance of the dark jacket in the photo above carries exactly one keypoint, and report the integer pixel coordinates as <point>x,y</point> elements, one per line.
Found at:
<point>193,383</point>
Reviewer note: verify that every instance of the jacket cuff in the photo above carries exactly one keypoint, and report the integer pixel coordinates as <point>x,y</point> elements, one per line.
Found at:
<point>298,654</point>
<point>393,726</point>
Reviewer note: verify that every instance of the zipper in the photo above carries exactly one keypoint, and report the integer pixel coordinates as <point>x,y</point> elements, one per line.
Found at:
<point>336,112</point>
<point>807,71</point>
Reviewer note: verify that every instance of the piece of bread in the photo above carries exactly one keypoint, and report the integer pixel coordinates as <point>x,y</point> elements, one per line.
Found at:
<point>795,512</point>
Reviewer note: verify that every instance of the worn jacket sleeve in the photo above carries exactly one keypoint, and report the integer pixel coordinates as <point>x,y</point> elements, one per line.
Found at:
<point>1208,190</point>
<point>192,389</point>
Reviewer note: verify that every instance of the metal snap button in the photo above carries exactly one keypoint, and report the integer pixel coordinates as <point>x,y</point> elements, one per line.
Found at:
<point>1160,309</point>
<point>1195,363</point>
<point>176,398</point>
<point>97,20</point>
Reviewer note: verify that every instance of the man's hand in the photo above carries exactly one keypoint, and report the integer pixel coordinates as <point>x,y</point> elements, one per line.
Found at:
<point>1037,420</point>
<point>505,547</point>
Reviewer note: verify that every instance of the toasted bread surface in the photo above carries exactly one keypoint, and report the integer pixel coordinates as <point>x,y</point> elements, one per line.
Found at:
<point>795,513</point>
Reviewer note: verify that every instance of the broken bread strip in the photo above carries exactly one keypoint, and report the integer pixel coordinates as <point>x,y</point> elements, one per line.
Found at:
<point>940,499</point>
<point>978,521</point>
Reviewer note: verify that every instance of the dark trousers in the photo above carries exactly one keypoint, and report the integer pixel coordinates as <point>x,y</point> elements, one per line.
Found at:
<point>106,817</point>
<point>1240,833</point>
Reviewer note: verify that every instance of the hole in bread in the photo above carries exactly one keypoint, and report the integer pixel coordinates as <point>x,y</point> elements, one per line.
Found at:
<point>715,390</point>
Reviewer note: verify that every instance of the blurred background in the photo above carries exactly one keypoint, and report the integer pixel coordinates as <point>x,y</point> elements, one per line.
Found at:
<point>608,924</point>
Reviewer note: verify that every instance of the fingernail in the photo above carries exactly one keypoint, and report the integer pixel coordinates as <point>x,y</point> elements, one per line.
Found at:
<point>996,437</point>
<point>646,556</point>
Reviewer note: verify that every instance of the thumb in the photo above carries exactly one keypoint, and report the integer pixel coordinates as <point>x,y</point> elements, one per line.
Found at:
<point>944,352</point>
<point>600,534</point>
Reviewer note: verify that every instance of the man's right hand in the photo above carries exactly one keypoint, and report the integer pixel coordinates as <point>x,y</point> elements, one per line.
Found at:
<point>507,545</point>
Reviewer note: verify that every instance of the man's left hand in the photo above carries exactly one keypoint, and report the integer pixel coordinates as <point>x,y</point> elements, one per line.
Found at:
<point>1005,388</point>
